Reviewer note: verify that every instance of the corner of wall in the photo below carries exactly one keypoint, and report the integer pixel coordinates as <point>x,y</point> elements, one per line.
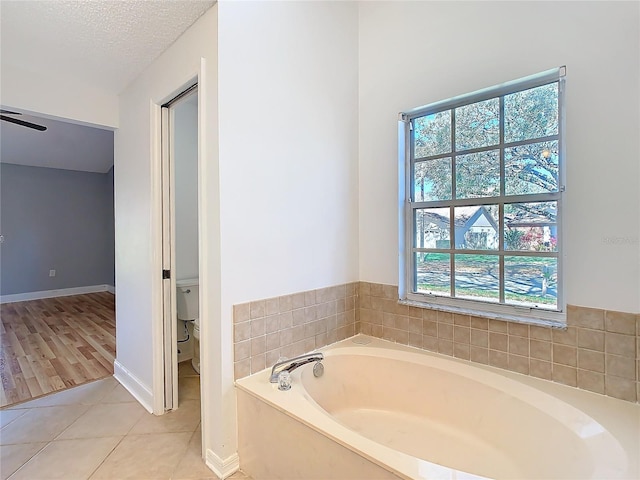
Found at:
<point>223,468</point>
<point>134,386</point>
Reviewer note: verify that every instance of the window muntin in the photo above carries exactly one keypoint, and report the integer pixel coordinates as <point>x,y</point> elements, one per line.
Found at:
<point>484,198</point>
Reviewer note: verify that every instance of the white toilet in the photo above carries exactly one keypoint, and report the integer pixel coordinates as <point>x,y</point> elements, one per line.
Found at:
<point>187,301</point>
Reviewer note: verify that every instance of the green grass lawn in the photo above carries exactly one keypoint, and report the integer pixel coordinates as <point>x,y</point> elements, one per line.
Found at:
<point>485,259</point>
<point>522,273</point>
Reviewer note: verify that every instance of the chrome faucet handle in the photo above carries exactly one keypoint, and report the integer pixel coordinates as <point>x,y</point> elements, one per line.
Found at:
<point>293,363</point>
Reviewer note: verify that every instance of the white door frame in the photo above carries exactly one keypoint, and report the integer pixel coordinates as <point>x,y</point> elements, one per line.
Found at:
<point>168,263</point>
<point>165,347</point>
<point>214,336</point>
<point>169,249</point>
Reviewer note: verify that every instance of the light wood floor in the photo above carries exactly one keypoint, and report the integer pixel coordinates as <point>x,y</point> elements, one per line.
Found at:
<point>55,343</point>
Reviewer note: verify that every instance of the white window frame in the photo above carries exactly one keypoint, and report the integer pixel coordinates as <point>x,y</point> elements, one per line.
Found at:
<point>406,234</point>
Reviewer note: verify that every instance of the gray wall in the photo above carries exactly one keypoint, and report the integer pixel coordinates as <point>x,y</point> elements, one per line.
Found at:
<point>55,219</point>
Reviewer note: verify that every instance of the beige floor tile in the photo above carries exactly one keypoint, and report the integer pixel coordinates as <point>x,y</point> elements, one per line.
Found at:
<point>214,477</point>
<point>8,416</point>
<point>146,457</point>
<point>208,477</point>
<point>185,369</point>
<point>105,420</point>
<point>192,465</point>
<point>67,459</point>
<point>13,457</point>
<point>188,388</point>
<point>118,395</point>
<point>184,419</point>
<point>41,424</point>
<point>88,394</point>
<point>239,475</point>
<point>84,426</point>
<point>197,478</point>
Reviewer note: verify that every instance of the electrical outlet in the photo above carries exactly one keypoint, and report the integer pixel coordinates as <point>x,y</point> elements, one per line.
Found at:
<point>52,273</point>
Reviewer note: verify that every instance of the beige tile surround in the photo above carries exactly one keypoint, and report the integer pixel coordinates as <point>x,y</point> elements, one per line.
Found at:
<point>290,325</point>
<point>598,351</point>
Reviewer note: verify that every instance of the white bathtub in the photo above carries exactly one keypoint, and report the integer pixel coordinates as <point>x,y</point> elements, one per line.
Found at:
<point>386,411</point>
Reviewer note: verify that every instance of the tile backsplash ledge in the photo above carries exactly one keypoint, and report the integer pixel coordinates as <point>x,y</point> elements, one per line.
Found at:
<point>290,325</point>
<point>598,351</point>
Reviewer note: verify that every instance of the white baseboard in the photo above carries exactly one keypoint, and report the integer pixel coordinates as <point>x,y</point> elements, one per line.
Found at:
<point>63,292</point>
<point>222,468</point>
<point>133,385</point>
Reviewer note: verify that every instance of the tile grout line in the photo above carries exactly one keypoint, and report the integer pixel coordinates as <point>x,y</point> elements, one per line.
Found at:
<point>99,402</point>
<point>28,459</point>
<point>184,453</point>
<point>90,406</point>
<point>106,457</point>
<point>57,437</point>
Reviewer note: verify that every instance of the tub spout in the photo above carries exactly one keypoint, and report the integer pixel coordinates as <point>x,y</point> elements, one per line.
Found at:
<point>291,364</point>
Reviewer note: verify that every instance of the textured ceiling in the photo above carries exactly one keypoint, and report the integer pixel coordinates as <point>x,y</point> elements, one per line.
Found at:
<point>63,145</point>
<point>103,43</point>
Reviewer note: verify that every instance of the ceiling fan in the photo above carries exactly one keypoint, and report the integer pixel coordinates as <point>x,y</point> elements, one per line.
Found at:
<point>35,126</point>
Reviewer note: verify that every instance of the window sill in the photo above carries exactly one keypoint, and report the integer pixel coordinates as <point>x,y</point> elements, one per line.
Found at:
<point>559,322</point>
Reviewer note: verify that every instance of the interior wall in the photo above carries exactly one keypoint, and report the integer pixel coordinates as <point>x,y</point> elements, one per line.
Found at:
<point>54,219</point>
<point>288,154</point>
<point>415,53</point>
<point>111,226</point>
<point>136,172</point>
<point>186,187</point>
<point>138,229</point>
<point>288,147</point>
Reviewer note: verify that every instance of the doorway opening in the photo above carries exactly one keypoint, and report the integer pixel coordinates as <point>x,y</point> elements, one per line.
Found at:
<point>57,282</point>
<point>180,254</point>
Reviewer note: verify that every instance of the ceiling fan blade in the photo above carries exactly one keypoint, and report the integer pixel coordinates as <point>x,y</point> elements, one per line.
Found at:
<point>40,128</point>
<point>10,112</point>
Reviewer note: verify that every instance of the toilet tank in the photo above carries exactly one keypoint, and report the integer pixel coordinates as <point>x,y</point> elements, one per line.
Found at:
<point>187,299</point>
